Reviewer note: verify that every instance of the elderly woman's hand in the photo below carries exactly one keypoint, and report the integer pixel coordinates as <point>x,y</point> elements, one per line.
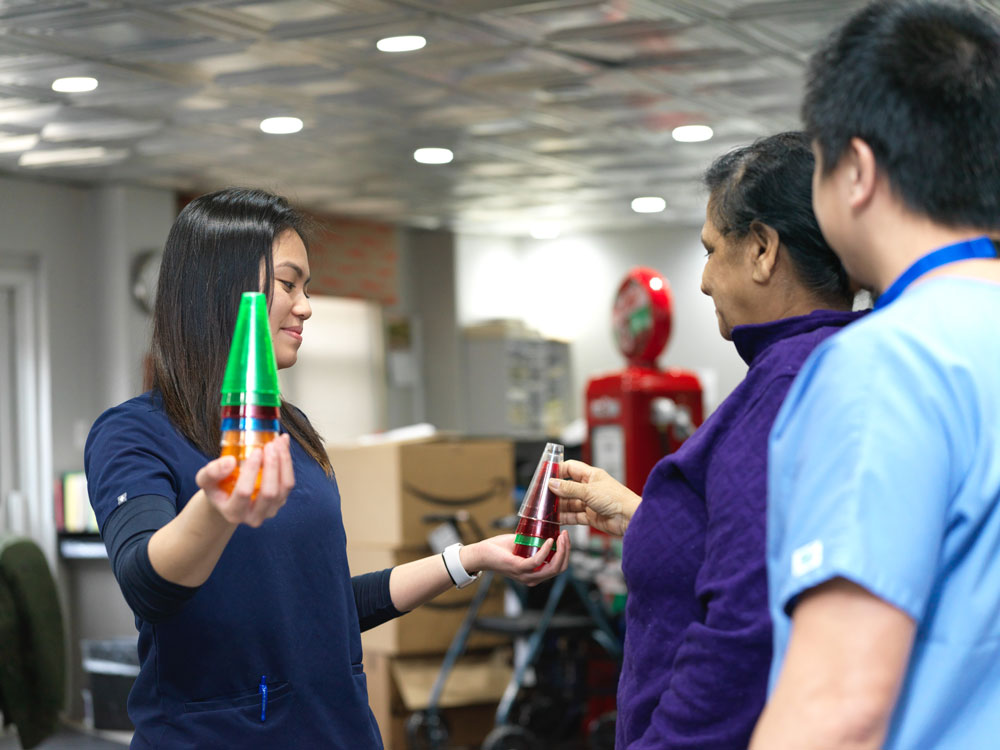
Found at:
<point>591,496</point>
<point>497,554</point>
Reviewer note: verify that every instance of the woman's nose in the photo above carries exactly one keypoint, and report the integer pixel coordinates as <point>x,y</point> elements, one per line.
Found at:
<point>302,308</point>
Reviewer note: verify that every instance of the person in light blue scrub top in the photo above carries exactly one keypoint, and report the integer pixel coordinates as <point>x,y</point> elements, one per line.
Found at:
<point>884,461</point>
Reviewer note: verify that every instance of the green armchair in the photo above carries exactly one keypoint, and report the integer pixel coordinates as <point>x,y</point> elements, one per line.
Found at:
<point>32,642</point>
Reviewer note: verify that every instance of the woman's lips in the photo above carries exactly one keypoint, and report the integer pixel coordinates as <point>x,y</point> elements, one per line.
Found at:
<point>293,332</point>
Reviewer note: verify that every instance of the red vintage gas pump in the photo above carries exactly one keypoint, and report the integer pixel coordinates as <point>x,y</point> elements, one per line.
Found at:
<point>638,415</point>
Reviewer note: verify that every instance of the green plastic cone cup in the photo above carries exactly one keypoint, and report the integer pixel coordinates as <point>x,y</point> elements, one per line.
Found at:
<point>251,371</point>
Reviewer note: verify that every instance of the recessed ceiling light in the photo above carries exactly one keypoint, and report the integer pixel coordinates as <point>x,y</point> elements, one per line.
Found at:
<point>692,133</point>
<point>28,116</point>
<point>99,130</point>
<point>74,85</point>
<point>69,156</point>
<point>648,204</point>
<point>281,125</point>
<point>545,231</point>
<point>400,43</point>
<point>14,143</point>
<point>433,155</point>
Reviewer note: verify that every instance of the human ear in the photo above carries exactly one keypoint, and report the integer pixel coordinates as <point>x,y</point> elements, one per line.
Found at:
<point>764,250</point>
<point>862,173</point>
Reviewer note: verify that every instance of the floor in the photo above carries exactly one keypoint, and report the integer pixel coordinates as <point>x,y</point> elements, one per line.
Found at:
<point>68,739</point>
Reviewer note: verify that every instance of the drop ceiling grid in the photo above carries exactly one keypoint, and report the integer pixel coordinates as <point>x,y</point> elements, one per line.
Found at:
<point>554,107</point>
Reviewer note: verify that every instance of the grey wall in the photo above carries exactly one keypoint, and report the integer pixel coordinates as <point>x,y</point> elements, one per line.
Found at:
<point>55,226</point>
<point>129,221</point>
<point>430,280</point>
<point>83,240</point>
<point>404,398</point>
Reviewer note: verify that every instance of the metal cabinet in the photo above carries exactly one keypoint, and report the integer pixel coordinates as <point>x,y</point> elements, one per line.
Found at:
<point>516,386</point>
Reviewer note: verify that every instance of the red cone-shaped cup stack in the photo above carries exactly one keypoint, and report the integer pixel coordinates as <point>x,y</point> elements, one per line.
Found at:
<point>539,515</point>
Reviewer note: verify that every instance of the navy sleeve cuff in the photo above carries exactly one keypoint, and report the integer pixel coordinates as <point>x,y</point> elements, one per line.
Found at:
<point>126,535</point>
<point>373,600</point>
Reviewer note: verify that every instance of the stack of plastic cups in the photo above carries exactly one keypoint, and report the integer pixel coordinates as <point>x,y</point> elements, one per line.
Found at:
<point>539,514</point>
<point>251,399</point>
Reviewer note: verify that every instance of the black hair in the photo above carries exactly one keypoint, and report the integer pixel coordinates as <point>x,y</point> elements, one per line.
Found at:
<point>919,82</point>
<point>770,182</point>
<point>215,251</point>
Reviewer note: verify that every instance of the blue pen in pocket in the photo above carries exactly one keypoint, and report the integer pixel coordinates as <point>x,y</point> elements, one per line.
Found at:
<point>263,697</point>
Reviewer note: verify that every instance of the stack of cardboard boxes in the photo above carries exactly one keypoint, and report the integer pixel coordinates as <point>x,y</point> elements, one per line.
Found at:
<point>386,491</point>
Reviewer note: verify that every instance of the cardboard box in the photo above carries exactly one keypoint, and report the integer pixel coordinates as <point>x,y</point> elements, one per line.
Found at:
<point>398,686</point>
<point>387,489</point>
<point>428,629</point>
<point>467,728</point>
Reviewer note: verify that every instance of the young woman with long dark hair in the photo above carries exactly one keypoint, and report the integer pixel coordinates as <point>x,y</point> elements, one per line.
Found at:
<point>249,620</point>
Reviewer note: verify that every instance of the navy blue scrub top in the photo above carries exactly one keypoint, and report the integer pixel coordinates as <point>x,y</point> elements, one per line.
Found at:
<point>279,606</point>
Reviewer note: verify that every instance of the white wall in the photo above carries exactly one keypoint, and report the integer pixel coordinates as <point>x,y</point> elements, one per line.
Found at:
<point>565,288</point>
<point>339,376</point>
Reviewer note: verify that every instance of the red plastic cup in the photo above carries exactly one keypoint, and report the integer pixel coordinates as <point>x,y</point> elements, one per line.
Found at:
<point>531,534</point>
<point>539,514</point>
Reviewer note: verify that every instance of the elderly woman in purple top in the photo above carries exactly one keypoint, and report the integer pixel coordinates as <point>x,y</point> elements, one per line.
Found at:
<point>698,634</point>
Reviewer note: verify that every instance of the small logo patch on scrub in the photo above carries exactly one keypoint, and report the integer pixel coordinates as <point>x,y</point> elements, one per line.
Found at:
<point>807,558</point>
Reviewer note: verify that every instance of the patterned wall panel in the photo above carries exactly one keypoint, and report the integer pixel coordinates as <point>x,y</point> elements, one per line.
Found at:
<point>353,258</point>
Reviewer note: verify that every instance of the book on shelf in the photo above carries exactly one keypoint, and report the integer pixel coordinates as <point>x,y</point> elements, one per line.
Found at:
<point>59,505</point>
<point>77,514</point>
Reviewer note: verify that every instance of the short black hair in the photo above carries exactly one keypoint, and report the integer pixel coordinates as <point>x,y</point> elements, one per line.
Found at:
<point>770,181</point>
<point>919,82</point>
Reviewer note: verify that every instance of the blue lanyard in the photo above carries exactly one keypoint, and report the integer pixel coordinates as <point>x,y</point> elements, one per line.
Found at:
<point>981,247</point>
